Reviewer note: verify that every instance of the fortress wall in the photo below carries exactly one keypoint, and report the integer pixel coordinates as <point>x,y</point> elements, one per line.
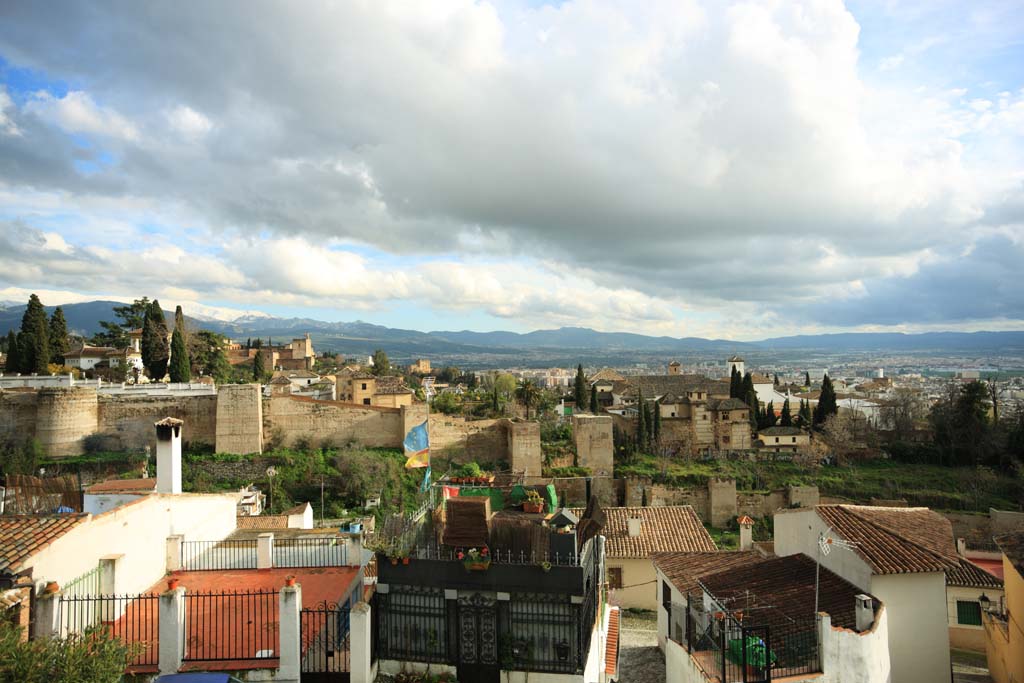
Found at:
<point>18,414</point>
<point>462,440</point>
<point>64,417</point>
<point>128,420</point>
<point>299,417</point>
<point>239,418</point>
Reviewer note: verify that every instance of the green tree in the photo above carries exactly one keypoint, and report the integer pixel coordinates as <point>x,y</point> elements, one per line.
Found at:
<point>115,334</point>
<point>58,336</point>
<point>155,349</point>
<point>259,372</point>
<point>13,363</point>
<point>786,418</point>
<point>827,405</point>
<point>93,656</point>
<point>807,379</point>
<point>770,418</point>
<point>34,339</point>
<point>806,419</point>
<point>735,384</point>
<point>641,421</point>
<point>20,457</point>
<point>750,394</point>
<point>381,364</point>
<point>179,322</point>
<point>593,399</point>
<point>447,403</point>
<point>656,422</point>
<point>962,431</point>
<point>528,393</point>
<point>580,389</point>
<point>181,366</point>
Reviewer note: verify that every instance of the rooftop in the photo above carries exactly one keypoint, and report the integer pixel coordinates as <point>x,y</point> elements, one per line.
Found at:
<point>669,528</point>
<point>1012,545</point>
<point>140,486</point>
<point>684,569</point>
<point>970,575</point>
<point>22,536</point>
<point>895,540</point>
<point>780,431</point>
<point>653,386</point>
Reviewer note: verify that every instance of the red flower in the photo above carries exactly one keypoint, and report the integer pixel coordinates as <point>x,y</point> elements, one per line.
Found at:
<point>485,551</point>
<point>461,555</point>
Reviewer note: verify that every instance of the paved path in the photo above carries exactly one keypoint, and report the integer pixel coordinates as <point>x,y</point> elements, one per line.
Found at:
<point>969,668</point>
<point>640,660</point>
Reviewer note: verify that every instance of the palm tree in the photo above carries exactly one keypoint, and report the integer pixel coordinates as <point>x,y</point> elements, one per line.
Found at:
<point>528,393</point>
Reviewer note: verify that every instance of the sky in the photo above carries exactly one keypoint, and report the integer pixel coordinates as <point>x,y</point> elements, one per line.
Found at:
<point>707,168</point>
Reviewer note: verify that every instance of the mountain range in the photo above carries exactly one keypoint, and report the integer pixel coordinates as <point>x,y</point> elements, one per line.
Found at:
<point>357,338</point>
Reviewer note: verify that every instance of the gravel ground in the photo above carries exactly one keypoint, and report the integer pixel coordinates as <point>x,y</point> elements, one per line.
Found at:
<point>640,660</point>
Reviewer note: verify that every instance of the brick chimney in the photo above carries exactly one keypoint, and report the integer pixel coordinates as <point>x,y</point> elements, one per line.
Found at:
<point>865,612</point>
<point>634,524</point>
<point>746,532</point>
<point>168,455</point>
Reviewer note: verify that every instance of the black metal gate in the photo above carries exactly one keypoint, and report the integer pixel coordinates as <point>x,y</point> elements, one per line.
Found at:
<point>325,643</point>
<point>478,639</point>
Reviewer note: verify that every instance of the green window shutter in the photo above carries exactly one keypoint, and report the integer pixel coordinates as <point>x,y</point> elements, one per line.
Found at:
<point>968,613</point>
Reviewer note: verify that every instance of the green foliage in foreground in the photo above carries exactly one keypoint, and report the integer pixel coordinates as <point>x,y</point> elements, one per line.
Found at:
<point>91,657</point>
<point>936,486</point>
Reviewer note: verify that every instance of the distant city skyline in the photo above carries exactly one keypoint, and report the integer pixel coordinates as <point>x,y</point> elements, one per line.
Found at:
<point>733,171</point>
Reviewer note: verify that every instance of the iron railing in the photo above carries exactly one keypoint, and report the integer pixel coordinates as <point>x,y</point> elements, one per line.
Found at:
<point>85,584</point>
<point>329,551</point>
<point>542,634</point>
<point>324,632</point>
<point>134,619</point>
<point>498,556</point>
<point>214,555</point>
<point>412,624</point>
<point>237,625</point>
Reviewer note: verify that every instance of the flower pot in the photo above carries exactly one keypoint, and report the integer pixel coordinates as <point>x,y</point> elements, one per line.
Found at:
<point>52,587</point>
<point>405,560</point>
<point>533,507</point>
<point>172,584</point>
<point>478,565</point>
<point>289,580</point>
<point>394,561</point>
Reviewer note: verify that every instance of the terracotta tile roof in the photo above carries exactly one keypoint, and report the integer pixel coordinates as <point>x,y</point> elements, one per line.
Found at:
<point>895,540</point>
<point>654,386</point>
<point>727,404</point>
<point>611,652</point>
<point>745,519</point>
<point>663,529</point>
<point>780,590</point>
<point>391,385</point>
<point>970,575</point>
<point>1012,545</point>
<point>22,536</point>
<point>684,569</point>
<point>297,510</point>
<point>261,522</point>
<point>780,431</point>
<point>124,486</point>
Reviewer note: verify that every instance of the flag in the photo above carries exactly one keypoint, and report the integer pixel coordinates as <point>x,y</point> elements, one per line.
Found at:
<point>425,486</point>
<point>417,446</point>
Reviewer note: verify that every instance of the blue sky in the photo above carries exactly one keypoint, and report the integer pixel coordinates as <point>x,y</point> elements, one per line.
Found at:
<point>734,170</point>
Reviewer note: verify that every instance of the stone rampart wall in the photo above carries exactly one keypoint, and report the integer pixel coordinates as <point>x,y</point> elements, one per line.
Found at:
<point>294,418</point>
<point>128,420</point>
<point>18,414</point>
<point>462,440</point>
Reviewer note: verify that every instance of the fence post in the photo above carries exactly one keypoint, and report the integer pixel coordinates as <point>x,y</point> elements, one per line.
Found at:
<point>360,631</point>
<point>174,552</point>
<point>172,630</point>
<point>822,633</point>
<point>265,551</point>
<point>290,652</point>
<point>48,616</point>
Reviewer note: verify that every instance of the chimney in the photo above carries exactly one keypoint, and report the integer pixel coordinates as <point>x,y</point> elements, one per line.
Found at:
<point>634,526</point>
<point>865,612</point>
<point>961,547</point>
<point>746,532</point>
<point>168,455</point>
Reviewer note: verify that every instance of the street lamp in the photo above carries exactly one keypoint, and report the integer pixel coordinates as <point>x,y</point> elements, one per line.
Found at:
<point>985,602</point>
<point>271,473</point>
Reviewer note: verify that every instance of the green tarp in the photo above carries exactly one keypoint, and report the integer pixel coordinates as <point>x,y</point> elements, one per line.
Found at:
<point>757,653</point>
<point>496,496</point>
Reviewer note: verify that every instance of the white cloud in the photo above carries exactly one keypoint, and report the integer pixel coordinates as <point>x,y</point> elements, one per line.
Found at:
<point>189,123</point>
<point>7,125</point>
<point>76,112</point>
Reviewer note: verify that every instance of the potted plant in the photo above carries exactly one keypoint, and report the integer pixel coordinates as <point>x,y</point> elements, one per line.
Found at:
<point>533,503</point>
<point>476,560</point>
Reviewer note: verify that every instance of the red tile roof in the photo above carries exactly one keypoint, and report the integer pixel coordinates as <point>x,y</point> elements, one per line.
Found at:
<point>124,486</point>
<point>895,540</point>
<point>611,653</point>
<point>261,522</point>
<point>684,569</point>
<point>670,528</point>
<point>22,536</point>
<point>970,575</point>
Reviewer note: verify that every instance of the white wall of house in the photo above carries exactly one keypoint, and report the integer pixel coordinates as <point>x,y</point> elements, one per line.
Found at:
<point>967,636</point>
<point>98,503</point>
<point>638,577</point>
<point>302,520</point>
<point>797,532</point>
<point>138,533</point>
<point>918,631</point>
<point>851,657</point>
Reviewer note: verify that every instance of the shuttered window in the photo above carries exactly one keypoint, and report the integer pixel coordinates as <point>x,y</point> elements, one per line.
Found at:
<point>615,577</point>
<point>968,613</point>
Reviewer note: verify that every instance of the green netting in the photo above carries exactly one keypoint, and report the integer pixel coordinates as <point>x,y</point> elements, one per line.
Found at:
<point>757,654</point>
<point>518,494</point>
<point>550,497</point>
<point>496,496</point>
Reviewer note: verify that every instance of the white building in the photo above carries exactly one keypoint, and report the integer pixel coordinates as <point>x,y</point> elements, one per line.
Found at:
<point>899,555</point>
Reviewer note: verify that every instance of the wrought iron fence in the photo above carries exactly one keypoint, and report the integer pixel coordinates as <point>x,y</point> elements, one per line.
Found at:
<point>412,624</point>
<point>329,551</point>
<point>212,555</point>
<point>443,552</point>
<point>86,584</point>
<point>236,625</point>
<point>324,631</point>
<point>541,634</point>
<point>134,619</point>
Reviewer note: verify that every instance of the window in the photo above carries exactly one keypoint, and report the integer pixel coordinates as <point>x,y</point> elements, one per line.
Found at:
<point>673,415</point>
<point>666,596</point>
<point>794,439</point>
<point>614,577</point>
<point>725,439</point>
<point>364,386</point>
<point>776,439</point>
<point>968,612</point>
<point>366,401</point>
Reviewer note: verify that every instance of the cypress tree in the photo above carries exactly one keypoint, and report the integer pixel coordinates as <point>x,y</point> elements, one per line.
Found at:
<point>580,389</point>
<point>58,336</point>
<point>807,379</point>
<point>593,399</point>
<point>155,349</point>
<point>34,340</point>
<point>805,413</point>
<point>180,366</point>
<point>179,323</point>
<point>641,425</point>
<point>13,363</point>
<point>749,394</point>
<point>786,419</point>
<point>769,414</point>
<point>257,366</point>
<point>735,384</point>
<point>776,379</point>
<point>657,422</point>
<point>827,405</point>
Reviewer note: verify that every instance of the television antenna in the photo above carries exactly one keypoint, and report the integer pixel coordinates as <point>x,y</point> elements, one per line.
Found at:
<point>826,542</point>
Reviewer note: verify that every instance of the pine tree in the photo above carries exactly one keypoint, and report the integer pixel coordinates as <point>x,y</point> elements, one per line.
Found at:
<point>786,419</point>
<point>155,349</point>
<point>34,340</point>
<point>217,366</point>
<point>593,399</point>
<point>13,363</point>
<point>580,389</point>
<point>258,371</point>
<point>641,424</point>
<point>180,366</point>
<point>58,336</point>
